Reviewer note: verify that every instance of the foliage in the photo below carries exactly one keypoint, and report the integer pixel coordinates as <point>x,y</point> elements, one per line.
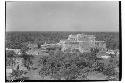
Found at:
<point>16,74</point>
<point>63,65</point>
<point>59,65</point>
<point>14,39</point>
<point>72,66</point>
<point>27,60</point>
<point>10,55</point>
<point>107,66</point>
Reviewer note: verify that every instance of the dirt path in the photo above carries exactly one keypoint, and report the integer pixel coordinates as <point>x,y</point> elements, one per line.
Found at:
<point>33,74</point>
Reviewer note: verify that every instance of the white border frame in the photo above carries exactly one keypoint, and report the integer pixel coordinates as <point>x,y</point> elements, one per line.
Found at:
<point>2,38</point>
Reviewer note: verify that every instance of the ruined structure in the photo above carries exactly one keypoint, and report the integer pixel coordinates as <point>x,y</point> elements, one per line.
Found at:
<point>81,42</point>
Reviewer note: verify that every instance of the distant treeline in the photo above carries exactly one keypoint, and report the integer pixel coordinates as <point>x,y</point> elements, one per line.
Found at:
<point>15,39</point>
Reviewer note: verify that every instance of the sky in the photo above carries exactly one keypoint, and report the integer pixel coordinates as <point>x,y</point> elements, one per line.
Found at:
<point>62,16</point>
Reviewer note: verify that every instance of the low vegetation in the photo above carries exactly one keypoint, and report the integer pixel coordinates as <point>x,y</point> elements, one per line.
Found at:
<point>58,65</point>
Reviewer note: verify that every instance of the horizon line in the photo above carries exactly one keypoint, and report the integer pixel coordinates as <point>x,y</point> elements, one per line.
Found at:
<point>61,31</point>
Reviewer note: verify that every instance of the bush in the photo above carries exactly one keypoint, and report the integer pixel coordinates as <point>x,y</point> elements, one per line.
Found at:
<point>63,65</point>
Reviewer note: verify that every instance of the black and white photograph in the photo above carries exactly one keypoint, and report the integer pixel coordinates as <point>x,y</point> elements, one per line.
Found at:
<point>70,41</point>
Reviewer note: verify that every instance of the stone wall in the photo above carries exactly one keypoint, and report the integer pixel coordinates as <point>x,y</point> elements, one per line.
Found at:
<point>82,42</point>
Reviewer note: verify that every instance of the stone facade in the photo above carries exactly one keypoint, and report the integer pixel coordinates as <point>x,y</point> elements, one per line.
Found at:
<point>81,42</point>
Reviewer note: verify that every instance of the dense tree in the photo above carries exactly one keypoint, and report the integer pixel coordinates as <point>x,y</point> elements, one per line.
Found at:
<point>10,55</point>
<point>67,66</point>
<point>63,65</point>
<point>14,39</point>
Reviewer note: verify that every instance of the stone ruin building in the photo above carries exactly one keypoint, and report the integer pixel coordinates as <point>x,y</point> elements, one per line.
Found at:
<point>82,43</point>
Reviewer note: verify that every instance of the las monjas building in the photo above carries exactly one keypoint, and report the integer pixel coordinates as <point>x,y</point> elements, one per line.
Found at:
<point>81,42</point>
